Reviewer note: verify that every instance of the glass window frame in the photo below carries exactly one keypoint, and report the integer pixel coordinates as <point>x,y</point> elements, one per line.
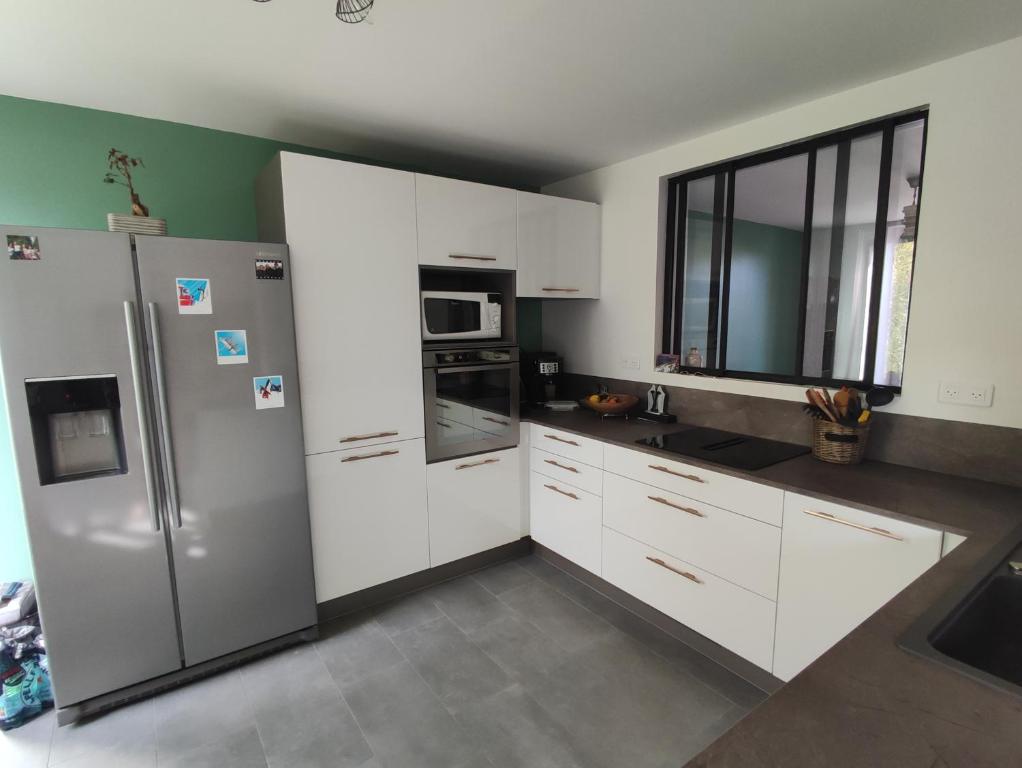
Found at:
<point>675,237</point>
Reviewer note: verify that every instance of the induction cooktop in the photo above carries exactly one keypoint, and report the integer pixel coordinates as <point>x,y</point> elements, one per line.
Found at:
<point>727,448</point>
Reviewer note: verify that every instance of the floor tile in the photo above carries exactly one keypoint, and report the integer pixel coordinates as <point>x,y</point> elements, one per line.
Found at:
<point>123,736</point>
<point>301,717</point>
<point>406,612</point>
<point>205,712</point>
<point>29,745</point>
<point>356,646</point>
<point>465,602</point>
<point>457,671</point>
<point>516,732</point>
<point>519,647</point>
<point>621,704</point>
<point>406,725</point>
<point>501,578</point>
<point>242,749</point>
<point>570,625</point>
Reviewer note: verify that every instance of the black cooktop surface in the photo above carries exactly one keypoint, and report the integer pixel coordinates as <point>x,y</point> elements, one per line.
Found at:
<point>728,448</point>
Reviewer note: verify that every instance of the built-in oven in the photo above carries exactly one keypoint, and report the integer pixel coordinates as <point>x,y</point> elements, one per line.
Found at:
<point>471,398</point>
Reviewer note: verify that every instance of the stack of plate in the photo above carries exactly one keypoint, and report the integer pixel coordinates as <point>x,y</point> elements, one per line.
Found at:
<point>138,225</point>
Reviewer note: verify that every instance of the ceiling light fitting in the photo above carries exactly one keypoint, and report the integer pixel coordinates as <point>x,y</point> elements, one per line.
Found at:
<point>348,11</point>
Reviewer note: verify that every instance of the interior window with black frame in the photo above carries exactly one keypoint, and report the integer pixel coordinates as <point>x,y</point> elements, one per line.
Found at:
<point>795,264</point>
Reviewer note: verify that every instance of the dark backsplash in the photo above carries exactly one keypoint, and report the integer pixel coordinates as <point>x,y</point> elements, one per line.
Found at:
<point>979,451</point>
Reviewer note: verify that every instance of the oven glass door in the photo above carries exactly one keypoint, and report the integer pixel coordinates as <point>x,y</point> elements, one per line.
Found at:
<point>471,409</point>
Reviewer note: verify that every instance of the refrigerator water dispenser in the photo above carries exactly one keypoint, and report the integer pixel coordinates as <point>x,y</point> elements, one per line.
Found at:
<point>76,425</point>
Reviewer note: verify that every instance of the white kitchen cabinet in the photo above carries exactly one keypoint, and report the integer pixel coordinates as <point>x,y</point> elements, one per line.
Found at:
<point>463,224</point>
<point>368,512</point>
<point>838,567</point>
<point>567,520</point>
<point>568,444</point>
<point>739,620</point>
<point>558,247</point>
<point>474,505</point>
<point>739,549</point>
<point>351,230</point>
<point>567,471</point>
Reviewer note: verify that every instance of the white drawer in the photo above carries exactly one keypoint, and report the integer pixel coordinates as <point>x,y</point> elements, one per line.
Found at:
<point>567,520</point>
<point>567,471</point>
<point>742,496</point>
<point>567,444</point>
<point>739,620</point>
<point>737,548</point>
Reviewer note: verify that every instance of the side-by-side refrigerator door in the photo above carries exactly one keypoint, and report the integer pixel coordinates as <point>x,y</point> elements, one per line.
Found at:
<point>221,335</point>
<point>74,375</point>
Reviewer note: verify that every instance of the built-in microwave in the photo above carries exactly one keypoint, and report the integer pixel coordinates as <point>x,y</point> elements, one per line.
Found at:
<point>460,315</point>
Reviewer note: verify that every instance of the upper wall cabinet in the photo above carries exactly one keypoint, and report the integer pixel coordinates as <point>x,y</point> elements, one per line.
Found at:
<point>558,247</point>
<point>462,224</point>
<point>351,230</point>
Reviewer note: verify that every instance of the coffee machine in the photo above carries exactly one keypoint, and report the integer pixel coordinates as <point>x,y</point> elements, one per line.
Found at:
<point>542,372</point>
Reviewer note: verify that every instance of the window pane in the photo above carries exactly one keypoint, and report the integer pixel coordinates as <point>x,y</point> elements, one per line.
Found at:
<point>766,267</point>
<point>899,252</point>
<point>841,258</point>
<point>701,282</point>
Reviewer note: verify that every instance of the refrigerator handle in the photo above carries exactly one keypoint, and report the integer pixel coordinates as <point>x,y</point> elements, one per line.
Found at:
<point>143,418</point>
<point>161,399</point>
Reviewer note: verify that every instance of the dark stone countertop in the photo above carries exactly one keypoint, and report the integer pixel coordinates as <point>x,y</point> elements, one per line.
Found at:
<point>867,702</point>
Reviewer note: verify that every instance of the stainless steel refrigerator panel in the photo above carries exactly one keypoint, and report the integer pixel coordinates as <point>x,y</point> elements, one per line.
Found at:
<point>100,559</point>
<point>241,549</point>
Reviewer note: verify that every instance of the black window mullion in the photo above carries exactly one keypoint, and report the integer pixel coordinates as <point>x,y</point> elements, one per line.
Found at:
<point>672,304</point>
<point>807,245</point>
<point>681,249</point>
<point>713,305</point>
<point>725,287</point>
<point>879,246</point>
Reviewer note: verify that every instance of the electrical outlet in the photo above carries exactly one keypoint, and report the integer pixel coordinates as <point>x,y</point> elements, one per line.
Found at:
<point>959,393</point>
<point>630,363</point>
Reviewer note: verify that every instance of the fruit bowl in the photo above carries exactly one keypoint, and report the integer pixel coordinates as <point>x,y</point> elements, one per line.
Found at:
<point>611,403</point>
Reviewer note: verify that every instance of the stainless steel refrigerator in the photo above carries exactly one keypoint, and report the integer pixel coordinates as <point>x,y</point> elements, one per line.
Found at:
<point>152,388</point>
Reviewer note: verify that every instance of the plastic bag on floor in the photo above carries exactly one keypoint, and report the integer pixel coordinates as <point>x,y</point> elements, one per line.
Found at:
<point>25,689</point>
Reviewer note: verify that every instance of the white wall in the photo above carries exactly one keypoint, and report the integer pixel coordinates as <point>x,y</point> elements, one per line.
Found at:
<point>966,315</point>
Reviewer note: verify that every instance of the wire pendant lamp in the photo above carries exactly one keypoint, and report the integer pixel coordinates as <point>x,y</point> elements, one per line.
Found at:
<point>353,11</point>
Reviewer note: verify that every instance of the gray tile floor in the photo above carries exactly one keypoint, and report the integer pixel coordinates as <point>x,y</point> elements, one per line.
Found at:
<point>517,665</point>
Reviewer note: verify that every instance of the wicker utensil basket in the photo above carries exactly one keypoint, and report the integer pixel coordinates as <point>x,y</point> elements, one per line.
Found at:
<point>839,444</point>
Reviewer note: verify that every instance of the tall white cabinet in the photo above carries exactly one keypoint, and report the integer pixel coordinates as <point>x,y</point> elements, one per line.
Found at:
<point>351,229</point>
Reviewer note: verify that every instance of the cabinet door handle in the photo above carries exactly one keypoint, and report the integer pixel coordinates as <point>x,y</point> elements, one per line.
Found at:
<point>563,493</point>
<point>560,466</point>
<point>858,526</point>
<point>470,257</point>
<point>442,424</point>
<point>477,463</point>
<point>369,456</point>
<point>690,576</point>
<point>496,421</point>
<point>443,405</point>
<point>693,478</point>
<point>357,438</point>
<point>561,290</point>
<point>562,440</point>
<point>666,503</point>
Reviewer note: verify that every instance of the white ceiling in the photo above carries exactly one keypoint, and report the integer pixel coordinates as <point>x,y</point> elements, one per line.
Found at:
<point>523,92</point>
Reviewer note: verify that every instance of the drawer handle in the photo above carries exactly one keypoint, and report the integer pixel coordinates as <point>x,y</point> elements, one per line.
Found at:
<point>443,405</point>
<point>666,503</point>
<point>444,425</point>
<point>560,466</point>
<point>496,421</point>
<point>369,456</point>
<point>561,290</point>
<point>469,257</point>
<point>357,438</point>
<point>563,493</point>
<point>690,576</point>
<point>477,463</point>
<point>869,529</point>
<point>693,478</point>
<point>562,440</point>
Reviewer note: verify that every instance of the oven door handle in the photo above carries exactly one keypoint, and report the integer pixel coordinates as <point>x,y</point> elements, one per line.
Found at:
<point>474,368</point>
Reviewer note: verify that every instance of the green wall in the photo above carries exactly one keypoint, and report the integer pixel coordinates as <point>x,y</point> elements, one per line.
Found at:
<point>52,160</point>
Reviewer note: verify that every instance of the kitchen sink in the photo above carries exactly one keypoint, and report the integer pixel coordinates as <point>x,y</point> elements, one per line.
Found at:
<point>976,629</point>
